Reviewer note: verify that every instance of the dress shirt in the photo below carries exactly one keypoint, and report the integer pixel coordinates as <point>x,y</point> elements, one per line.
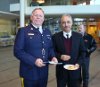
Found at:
<point>67,33</point>
<point>40,28</point>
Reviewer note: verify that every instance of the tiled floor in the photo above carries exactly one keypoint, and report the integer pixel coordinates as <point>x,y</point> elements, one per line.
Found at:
<point>9,70</point>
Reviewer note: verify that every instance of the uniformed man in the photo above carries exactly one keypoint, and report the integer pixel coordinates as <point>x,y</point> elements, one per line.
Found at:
<point>33,46</point>
<point>90,45</point>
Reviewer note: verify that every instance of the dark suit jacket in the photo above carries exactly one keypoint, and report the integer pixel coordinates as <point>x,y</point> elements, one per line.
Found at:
<point>77,53</point>
<point>28,47</point>
<point>90,44</point>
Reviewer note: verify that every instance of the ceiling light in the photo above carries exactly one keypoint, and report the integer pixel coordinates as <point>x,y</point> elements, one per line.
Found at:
<point>41,1</point>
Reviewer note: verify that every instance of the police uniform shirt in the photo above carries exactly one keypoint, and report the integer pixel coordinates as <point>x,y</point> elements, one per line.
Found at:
<point>40,28</point>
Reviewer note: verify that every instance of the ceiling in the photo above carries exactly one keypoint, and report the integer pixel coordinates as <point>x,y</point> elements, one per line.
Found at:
<point>7,15</point>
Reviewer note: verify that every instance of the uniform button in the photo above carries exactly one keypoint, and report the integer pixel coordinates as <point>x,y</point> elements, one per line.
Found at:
<point>43,42</point>
<point>43,56</point>
<point>42,35</point>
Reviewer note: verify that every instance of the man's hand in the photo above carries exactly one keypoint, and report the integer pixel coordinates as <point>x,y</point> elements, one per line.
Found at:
<point>54,59</point>
<point>39,62</point>
<point>65,57</point>
<point>77,65</point>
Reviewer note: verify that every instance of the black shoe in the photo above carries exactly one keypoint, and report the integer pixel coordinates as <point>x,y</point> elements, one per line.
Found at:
<point>85,86</point>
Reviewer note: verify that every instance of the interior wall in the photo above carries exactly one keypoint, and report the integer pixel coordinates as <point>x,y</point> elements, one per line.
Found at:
<point>6,26</point>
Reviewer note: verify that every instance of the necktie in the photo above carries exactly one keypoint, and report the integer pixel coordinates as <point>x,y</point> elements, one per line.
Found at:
<point>67,35</point>
<point>40,30</point>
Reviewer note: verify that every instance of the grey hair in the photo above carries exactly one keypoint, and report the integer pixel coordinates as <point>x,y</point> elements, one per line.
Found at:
<point>68,15</point>
<point>37,9</point>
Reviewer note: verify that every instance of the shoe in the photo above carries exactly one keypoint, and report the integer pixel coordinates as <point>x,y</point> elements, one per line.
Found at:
<point>85,86</point>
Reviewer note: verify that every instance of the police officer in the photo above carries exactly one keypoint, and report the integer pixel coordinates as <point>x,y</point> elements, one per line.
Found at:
<point>33,46</point>
<point>90,45</point>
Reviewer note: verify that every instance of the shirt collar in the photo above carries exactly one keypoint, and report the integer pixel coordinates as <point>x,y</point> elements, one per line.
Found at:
<point>69,34</point>
<point>40,28</point>
<point>35,26</point>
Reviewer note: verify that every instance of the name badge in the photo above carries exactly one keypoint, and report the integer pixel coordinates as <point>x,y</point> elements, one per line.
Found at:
<point>30,33</point>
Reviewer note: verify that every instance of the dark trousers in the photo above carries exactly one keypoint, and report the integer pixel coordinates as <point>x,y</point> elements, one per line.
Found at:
<point>85,71</point>
<point>67,78</point>
<point>70,83</point>
<point>35,83</point>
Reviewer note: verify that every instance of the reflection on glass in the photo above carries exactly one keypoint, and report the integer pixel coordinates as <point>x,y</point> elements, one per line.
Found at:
<point>62,2</point>
<point>34,3</point>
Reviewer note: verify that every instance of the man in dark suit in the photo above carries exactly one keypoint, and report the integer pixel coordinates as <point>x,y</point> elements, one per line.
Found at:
<point>33,46</point>
<point>69,48</point>
<point>90,45</point>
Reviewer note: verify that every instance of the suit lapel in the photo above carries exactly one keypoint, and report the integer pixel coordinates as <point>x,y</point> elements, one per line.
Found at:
<point>61,42</point>
<point>74,42</point>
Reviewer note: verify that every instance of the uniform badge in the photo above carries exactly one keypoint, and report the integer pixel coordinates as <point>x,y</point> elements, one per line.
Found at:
<point>30,37</point>
<point>30,33</point>
<point>49,37</point>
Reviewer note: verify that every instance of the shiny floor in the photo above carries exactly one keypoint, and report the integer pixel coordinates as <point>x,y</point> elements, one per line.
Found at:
<point>9,70</point>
